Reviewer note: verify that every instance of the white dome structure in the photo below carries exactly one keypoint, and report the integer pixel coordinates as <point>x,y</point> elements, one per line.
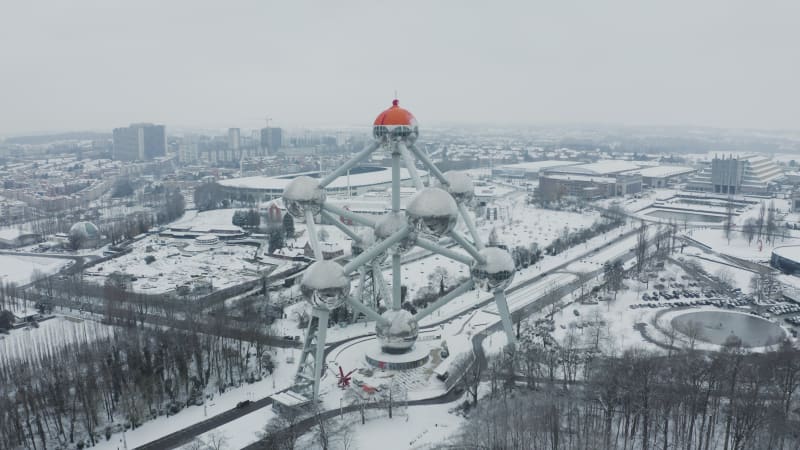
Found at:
<point>84,235</point>
<point>301,194</point>
<point>432,212</point>
<point>86,230</point>
<point>325,285</point>
<point>460,186</point>
<point>399,333</point>
<point>498,270</point>
<point>389,224</point>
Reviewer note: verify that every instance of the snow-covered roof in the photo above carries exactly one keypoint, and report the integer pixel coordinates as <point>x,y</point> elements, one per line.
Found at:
<point>365,176</point>
<point>602,167</point>
<point>289,398</point>
<point>536,166</point>
<point>791,252</point>
<point>572,177</point>
<point>665,171</point>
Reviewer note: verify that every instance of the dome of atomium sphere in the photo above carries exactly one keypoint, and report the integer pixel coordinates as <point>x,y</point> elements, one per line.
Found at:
<point>395,123</point>
<point>432,212</point>
<point>460,186</point>
<point>391,223</point>
<point>496,272</point>
<point>325,285</point>
<point>399,334</point>
<point>301,194</point>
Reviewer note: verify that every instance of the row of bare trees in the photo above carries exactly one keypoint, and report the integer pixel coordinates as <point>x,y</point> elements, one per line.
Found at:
<point>690,400</point>
<point>74,394</point>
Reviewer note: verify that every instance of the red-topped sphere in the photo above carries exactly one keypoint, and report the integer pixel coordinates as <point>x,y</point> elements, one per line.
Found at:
<point>396,123</point>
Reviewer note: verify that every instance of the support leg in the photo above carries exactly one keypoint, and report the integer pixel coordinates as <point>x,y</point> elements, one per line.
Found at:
<point>396,280</point>
<point>319,357</point>
<point>505,315</point>
<point>312,235</point>
<point>412,169</point>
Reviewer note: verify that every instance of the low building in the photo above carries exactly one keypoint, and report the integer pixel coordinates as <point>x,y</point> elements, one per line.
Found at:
<point>664,176</point>
<point>607,178</point>
<point>360,181</point>
<point>786,259</point>
<point>528,170</point>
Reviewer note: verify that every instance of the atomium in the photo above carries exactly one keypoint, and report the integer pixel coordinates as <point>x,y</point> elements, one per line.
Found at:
<point>497,272</point>
<point>432,212</point>
<point>460,186</point>
<point>391,223</point>
<point>398,333</point>
<point>301,194</point>
<point>325,285</point>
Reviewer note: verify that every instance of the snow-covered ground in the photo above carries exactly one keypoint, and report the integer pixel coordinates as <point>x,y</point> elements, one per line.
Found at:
<point>22,269</point>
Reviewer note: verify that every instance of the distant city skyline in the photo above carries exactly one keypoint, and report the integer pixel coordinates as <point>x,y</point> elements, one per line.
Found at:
<point>91,65</point>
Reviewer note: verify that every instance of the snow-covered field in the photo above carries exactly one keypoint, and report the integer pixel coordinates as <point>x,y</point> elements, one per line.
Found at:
<point>22,269</point>
<point>738,245</point>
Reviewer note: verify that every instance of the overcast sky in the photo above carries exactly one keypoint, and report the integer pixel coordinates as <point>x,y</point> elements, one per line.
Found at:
<point>79,64</point>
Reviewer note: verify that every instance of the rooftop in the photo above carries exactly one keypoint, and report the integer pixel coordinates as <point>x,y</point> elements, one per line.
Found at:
<point>359,176</point>
<point>665,171</point>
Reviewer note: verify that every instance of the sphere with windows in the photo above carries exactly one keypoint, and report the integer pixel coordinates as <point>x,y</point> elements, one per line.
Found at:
<point>392,223</point>
<point>496,272</point>
<point>325,285</point>
<point>398,333</point>
<point>301,194</point>
<point>432,212</point>
<point>459,185</point>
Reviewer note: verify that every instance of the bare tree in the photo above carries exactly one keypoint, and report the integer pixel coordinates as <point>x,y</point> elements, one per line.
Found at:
<point>641,247</point>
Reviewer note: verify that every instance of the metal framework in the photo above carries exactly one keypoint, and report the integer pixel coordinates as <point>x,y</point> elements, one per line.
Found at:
<point>424,223</point>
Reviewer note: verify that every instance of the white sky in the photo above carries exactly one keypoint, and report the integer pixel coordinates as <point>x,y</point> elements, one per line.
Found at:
<point>83,64</point>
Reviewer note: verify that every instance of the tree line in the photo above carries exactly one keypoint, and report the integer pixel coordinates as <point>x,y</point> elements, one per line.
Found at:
<point>545,396</point>
<point>78,393</point>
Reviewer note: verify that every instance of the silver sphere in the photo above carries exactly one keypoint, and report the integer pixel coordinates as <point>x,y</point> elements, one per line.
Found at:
<point>301,194</point>
<point>325,285</point>
<point>367,240</point>
<point>391,223</point>
<point>497,272</point>
<point>432,212</point>
<point>399,334</point>
<point>460,186</point>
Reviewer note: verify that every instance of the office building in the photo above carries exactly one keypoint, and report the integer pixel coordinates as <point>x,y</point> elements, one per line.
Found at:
<point>736,175</point>
<point>271,139</point>
<point>139,142</point>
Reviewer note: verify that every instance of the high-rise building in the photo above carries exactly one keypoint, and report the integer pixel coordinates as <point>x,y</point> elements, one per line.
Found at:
<point>234,140</point>
<point>139,141</point>
<point>271,139</point>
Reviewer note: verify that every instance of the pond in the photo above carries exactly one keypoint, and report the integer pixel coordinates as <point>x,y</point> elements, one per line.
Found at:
<point>716,326</point>
<point>685,216</point>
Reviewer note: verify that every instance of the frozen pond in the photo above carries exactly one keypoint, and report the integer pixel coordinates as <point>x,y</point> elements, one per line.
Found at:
<point>684,216</point>
<point>716,326</point>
